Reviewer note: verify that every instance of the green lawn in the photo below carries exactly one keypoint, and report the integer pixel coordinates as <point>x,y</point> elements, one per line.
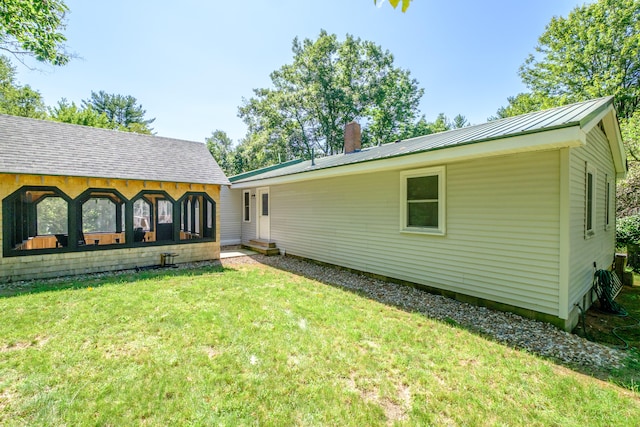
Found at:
<point>259,346</point>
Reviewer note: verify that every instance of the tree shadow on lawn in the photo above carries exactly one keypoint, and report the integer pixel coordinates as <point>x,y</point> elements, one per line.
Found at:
<point>598,359</point>
<point>95,280</point>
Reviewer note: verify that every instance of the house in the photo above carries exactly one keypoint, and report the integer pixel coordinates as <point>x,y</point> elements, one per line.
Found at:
<point>77,199</point>
<point>513,214</point>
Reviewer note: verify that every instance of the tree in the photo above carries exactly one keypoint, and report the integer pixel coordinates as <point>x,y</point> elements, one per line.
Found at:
<point>221,148</point>
<point>395,3</point>
<point>630,130</point>
<point>328,84</point>
<point>459,121</point>
<point>524,103</point>
<point>71,113</point>
<point>15,99</point>
<point>121,110</point>
<point>33,28</point>
<point>593,52</point>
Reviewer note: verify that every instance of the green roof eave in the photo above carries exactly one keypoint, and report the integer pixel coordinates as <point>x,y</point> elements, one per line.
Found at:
<point>245,175</point>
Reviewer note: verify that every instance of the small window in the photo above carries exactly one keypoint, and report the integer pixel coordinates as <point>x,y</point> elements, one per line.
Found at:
<point>246,206</point>
<point>590,200</point>
<point>422,200</point>
<point>607,202</point>
<point>265,204</point>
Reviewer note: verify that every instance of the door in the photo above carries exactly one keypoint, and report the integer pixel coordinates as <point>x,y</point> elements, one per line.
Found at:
<point>164,220</point>
<point>264,206</point>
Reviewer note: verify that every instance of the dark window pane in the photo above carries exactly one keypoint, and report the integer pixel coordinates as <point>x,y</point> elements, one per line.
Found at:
<point>423,214</point>
<point>246,206</point>
<point>422,188</point>
<point>589,201</point>
<point>265,204</point>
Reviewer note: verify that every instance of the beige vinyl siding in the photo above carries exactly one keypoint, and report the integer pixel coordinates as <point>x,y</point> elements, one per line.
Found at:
<point>248,228</point>
<point>230,216</point>
<point>501,242</point>
<point>601,247</point>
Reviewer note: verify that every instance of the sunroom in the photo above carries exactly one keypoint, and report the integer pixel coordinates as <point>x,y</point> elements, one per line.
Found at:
<point>72,202</point>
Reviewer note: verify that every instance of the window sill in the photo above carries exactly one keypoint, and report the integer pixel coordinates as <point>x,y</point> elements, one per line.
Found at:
<point>424,231</point>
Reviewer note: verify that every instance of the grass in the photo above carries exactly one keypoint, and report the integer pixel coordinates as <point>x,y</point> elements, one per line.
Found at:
<point>258,345</point>
<point>620,332</point>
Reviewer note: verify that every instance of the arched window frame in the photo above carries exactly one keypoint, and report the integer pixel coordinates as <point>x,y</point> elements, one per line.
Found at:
<point>28,229</point>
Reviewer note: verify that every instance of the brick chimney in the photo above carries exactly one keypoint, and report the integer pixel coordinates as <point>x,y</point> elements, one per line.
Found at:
<point>352,140</point>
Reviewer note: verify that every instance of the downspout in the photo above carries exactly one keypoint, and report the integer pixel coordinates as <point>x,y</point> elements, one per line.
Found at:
<point>565,234</point>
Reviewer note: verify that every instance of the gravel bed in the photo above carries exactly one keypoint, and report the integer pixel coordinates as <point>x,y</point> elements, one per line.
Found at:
<point>536,337</point>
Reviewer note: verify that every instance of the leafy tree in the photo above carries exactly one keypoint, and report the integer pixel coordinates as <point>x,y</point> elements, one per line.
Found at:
<point>328,84</point>
<point>593,52</point>
<point>459,121</point>
<point>395,3</point>
<point>221,148</point>
<point>71,113</point>
<point>121,110</point>
<point>424,127</point>
<point>524,103</point>
<point>15,99</point>
<point>32,28</point>
<point>630,129</point>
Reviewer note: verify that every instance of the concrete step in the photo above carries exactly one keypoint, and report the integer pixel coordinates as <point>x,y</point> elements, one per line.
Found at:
<point>263,243</point>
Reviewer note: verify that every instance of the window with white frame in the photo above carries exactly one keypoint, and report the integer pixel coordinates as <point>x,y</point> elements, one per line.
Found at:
<point>590,201</point>
<point>246,206</point>
<point>422,200</point>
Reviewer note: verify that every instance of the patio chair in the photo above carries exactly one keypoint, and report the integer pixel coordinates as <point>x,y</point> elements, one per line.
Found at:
<point>138,235</point>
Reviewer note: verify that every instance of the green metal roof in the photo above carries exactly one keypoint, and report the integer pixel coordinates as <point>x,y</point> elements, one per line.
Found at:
<point>255,172</point>
<point>577,114</point>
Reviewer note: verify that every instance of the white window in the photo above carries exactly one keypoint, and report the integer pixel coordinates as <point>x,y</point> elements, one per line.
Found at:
<point>590,201</point>
<point>246,206</point>
<point>422,200</point>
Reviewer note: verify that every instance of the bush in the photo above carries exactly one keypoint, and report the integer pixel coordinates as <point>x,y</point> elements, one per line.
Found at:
<point>628,230</point>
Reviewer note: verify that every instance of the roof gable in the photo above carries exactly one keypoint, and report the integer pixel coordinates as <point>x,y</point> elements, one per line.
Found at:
<point>41,147</point>
<point>502,133</point>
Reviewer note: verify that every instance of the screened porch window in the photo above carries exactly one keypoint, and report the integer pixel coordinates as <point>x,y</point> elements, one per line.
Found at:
<point>103,219</point>
<point>39,219</point>
<point>422,201</point>
<point>35,218</point>
<point>197,213</point>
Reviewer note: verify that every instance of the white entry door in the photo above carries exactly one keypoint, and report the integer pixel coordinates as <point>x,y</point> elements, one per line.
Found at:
<point>264,206</point>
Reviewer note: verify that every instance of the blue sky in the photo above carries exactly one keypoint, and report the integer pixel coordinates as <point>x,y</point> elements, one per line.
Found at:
<point>190,63</point>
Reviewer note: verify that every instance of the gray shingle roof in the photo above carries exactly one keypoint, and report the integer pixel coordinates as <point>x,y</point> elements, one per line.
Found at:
<point>556,118</point>
<point>41,147</point>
